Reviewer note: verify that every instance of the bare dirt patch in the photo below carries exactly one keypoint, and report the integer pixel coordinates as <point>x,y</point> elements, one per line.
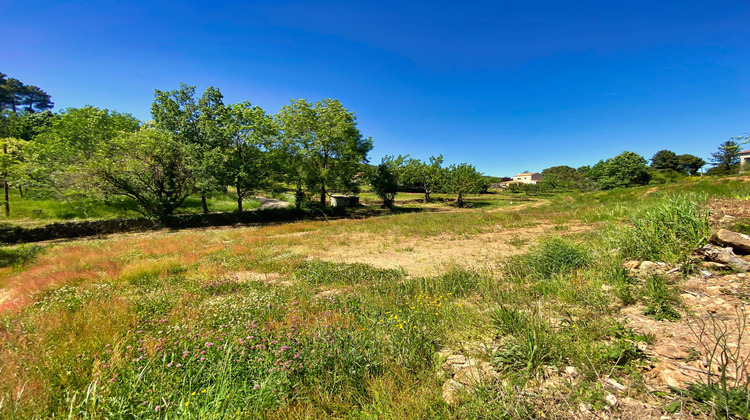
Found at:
<point>268,278</point>
<point>428,256</point>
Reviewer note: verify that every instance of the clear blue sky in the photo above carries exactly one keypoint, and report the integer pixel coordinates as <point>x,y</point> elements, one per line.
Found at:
<point>504,85</point>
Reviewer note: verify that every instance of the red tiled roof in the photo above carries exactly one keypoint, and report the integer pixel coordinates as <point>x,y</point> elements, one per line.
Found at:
<point>744,151</point>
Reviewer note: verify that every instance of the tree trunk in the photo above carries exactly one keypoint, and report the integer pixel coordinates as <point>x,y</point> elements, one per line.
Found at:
<point>323,195</point>
<point>460,200</point>
<point>298,197</point>
<point>7,200</point>
<point>5,184</point>
<point>239,199</point>
<point>203,202</point>
<point>20,191</point>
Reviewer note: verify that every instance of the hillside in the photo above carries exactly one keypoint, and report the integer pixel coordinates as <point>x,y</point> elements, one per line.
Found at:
<point>579,305</point>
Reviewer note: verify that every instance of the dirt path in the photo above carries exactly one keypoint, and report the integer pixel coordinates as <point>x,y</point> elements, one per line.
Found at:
<point>271,203</point>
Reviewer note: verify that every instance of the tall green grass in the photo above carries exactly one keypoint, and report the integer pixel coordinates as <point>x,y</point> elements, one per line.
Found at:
<point>666,232</point>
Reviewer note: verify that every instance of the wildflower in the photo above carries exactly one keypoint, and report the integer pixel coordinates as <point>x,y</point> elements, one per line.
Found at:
<point>256,386</point>
<point>193,393</point>
<point>157,408</point>
<point>203,392</point>
<point>187,402</point>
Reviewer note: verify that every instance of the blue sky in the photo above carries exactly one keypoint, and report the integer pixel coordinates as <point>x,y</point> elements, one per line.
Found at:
<point>507,86</point>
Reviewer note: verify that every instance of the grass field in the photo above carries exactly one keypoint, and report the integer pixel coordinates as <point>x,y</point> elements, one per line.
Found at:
<point>355,318</point>
<point>38,208</point>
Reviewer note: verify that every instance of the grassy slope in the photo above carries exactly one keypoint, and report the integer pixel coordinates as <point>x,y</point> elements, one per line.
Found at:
<point>52,210</point>
<point>231,324</point>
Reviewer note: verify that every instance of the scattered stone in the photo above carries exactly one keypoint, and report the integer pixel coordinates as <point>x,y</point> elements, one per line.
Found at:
<point>584,408</point>
<point>571,371</point>
<point>714,265</point>
<point>723,256</point>
<point>727,219</point>
<point>613,384</point>
<point>631,265</point>
<point>451,390</point>
<point>671,351</point>
<point>611,400</point>
<point>647,266</point>
<point>739,242</point>
<point>707,274</point>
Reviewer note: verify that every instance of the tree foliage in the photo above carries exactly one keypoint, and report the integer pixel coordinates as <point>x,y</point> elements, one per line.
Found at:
<point>326,149</point>
<point>426,177</point>
<point>664,160</point>
<point>624,170</point>
<point>463,179</point>
<point>562,178</point>
<point>385,179</point>
<point>248,162</point>
<point>727,158</point>
<point>16,96</point>
<point>689,164</point>
<point>149,166</point>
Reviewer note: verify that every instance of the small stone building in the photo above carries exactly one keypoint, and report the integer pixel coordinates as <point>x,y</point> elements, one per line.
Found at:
<point>344,201</point>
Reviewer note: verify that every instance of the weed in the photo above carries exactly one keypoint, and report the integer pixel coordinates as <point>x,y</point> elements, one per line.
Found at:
<point>551,257</point>
<point>661,299</point>
<point>322,272</point>
<point>667,232</point>
<point>726,384</point>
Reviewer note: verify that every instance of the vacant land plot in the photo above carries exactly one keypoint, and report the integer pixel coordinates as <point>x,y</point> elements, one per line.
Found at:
<point>573,306</point>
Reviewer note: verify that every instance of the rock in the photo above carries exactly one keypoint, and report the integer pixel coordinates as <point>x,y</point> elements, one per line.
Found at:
<point>611,400</point>
<point>451,389</point>
<point>613,384</point>
<point>727,219</point>
<point>671,351</point>
<point>571,371</point>
<point>723,256</point>
<point>456,360</point>
<point>706,274</point>
<point>647,266</point>
<point>584,408</point>
<point>631,265</point>
<point>714,265</point>
<point>739,242</point>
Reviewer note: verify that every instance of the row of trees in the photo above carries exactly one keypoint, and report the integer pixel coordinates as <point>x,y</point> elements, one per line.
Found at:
<point>193,145</point>
<point>630,169</point>
<point>404,174</point>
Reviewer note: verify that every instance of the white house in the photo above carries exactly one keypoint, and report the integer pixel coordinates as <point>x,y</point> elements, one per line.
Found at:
<point>528,178</point>
<point>744,158</point>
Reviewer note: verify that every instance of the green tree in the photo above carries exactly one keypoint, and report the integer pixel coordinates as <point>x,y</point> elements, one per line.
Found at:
<point>14,95</point>
<point>56,157</point>
<point>624,170</point>
<point>427,177</point>
<point>324,144</point>
<point>463,179</point>
<point>689,164</point>
<point>665,160</point>
<point>149,166</point>
<point>195,122</point>
<point>727,159</point>
<point>10,160</point>
<point>248,163</point>
<point>561,178</point>
<point>385,179</point>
